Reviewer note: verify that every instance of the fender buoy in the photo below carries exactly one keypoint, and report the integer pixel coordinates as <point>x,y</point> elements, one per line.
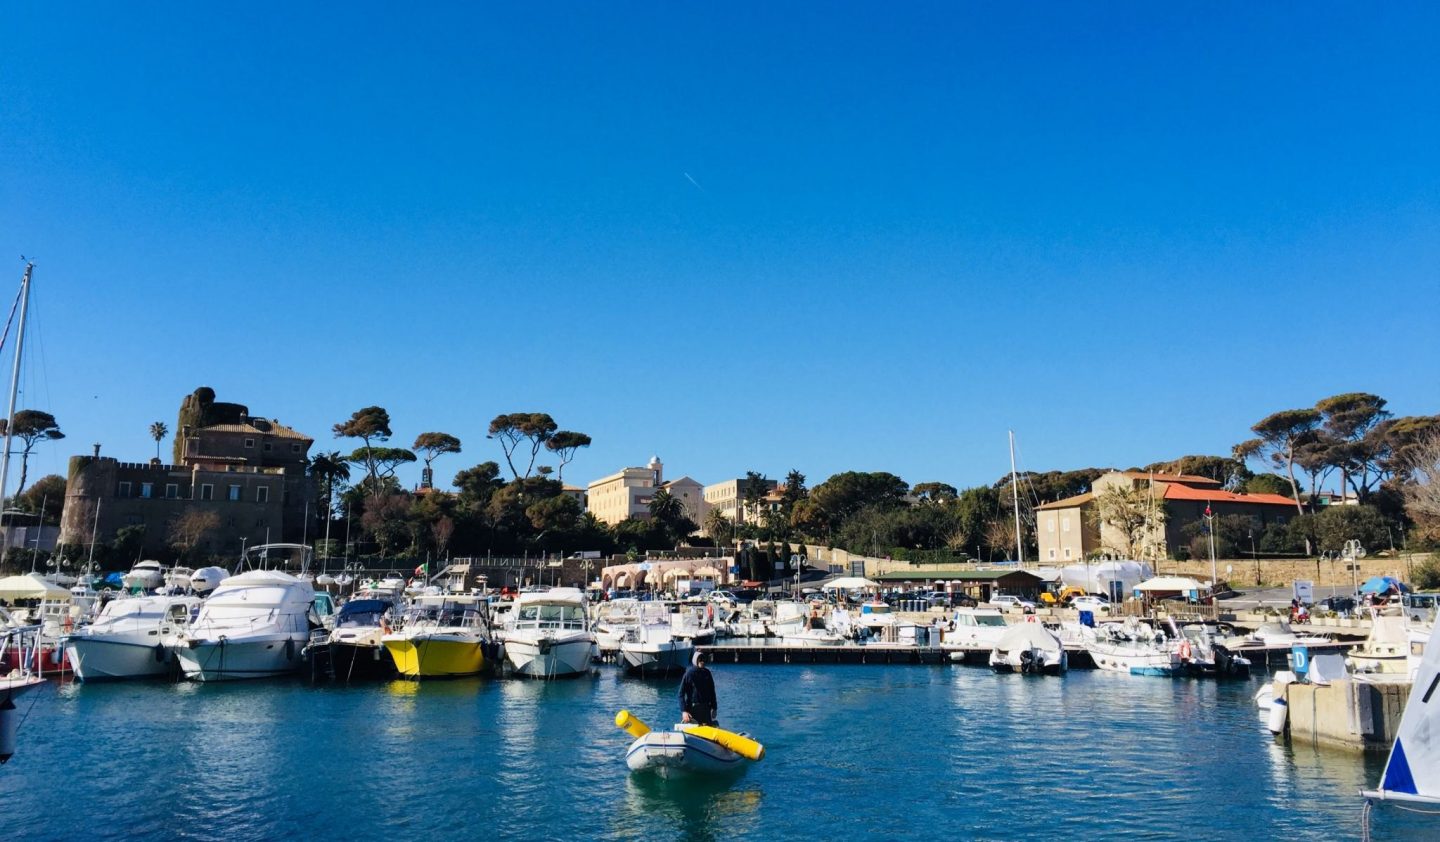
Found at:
<point>1184,650</point>
<point>1029,618</point>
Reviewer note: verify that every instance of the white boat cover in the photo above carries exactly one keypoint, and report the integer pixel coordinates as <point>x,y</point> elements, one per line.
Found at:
<point>1028,636</point>
<point>1413,771</point>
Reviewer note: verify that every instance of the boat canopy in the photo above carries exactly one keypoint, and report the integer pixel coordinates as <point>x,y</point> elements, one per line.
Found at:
<point>31,586</point>
<point>849,583</point>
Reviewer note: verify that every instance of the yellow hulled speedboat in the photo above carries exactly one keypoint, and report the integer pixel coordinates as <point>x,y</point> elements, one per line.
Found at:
<point>440,637</point>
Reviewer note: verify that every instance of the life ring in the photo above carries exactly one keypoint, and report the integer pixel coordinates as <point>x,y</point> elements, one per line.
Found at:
<point>69,623</point>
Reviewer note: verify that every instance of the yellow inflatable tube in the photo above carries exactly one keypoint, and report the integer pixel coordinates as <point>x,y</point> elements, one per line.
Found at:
<point>631,724</point>
<point>743,746</point>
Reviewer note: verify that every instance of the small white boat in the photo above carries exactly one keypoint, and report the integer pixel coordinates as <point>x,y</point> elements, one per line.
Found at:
<point>652,646</point>
<point>548,634</point>
<point>1279,634</point>
<point>687,749</point>
<point>129,638</point>
<point>1028,648</point>
<point>145,576</point>
<point>1133,650</point>
<point>613,620</point>
<point>812,637</point>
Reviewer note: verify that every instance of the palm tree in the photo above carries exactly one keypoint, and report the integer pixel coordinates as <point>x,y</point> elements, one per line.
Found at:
<point>327,468</point>
<point>158,431</point>
<point>719,527</point>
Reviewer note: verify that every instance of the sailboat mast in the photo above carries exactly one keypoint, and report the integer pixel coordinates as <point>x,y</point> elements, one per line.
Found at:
<point>14,384</point>
<point>1015,497</point>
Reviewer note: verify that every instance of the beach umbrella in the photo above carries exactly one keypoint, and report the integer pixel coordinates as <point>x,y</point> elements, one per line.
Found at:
<point>849,583</point>
<point>1382,584</point>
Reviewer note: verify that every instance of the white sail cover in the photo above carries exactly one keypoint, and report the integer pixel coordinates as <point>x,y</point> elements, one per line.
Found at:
<point>1413,772</point>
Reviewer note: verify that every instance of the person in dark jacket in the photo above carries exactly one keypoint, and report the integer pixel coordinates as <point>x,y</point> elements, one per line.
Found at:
<point>697,693</point>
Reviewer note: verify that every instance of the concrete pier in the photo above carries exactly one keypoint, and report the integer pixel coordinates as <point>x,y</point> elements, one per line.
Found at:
<point>844,654</point>
<point>1351,714</point>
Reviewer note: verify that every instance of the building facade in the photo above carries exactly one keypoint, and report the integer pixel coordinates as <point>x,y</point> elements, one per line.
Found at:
<point>1069,529</point>
<point>625,494</point>
<point>729,497</point>
<point>249,472</point>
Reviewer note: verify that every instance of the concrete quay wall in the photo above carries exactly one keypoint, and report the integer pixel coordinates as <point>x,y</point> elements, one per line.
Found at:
<point>1347,714</point>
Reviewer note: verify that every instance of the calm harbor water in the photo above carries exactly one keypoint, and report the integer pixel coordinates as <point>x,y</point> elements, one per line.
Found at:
<point>854,752</point>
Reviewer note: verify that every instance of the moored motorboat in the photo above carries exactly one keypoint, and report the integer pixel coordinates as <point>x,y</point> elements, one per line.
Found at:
<point>128,638</point>
<point>652,647</point>
<point>354,646</point>
<point>1028,648</point>
<point>548,634</point>
<point>1133,651</point>
<point>207,579</point>
<point>687,749</point>
<point>255,625</point>
<point>441,636</point>
<point>144,576</point>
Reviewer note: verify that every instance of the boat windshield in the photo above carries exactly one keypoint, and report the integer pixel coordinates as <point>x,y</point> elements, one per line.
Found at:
<point>551,616</point>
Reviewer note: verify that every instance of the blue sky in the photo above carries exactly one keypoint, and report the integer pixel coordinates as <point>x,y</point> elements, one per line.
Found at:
<point>1126,231</point>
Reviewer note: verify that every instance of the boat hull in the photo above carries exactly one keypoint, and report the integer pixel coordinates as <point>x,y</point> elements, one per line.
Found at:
<point>436,656</point>
<point>656,658</point>
<point>549,659</point>
<point>240,659</point>
<point>361,662</point>
<point>118,657</point>
<point>675,754</point>
<point>49,659</point>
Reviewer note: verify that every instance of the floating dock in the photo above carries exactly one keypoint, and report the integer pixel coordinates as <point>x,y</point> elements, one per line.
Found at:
<point>853,653</point>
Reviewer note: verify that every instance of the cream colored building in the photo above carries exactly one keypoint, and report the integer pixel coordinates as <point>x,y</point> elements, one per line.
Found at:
<point>729,497</point>
<point>691,495</point>
<point>625,494</point>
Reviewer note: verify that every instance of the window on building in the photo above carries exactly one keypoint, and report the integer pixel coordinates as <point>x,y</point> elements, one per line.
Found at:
<point>207,491</point>
<point>1064,524</point>
<point>262,494</point>
<point>124,490</point>
<point>172,491</point>
<point>249,442</point>
<point>234,493</point>
<point>1067,552</point>
<point>1050,524</point>
<point>1052,552</point>
<point>147,490</point>
<point>267,447</point>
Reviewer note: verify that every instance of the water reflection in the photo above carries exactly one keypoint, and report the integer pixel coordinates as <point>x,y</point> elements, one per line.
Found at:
<point>698,807</point>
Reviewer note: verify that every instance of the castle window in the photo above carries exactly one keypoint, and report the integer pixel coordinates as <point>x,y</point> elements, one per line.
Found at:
<point>250,443</point>
<point>147,490</point>
<point>207,491</point>
<point>172,491</point>
<point>124,490</point>
<point>267,447</point>
<point>234,493</point>
<point>262,494</point>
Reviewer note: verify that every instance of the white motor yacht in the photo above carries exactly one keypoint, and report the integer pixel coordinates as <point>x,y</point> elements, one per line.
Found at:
<point>145,575</point>
<point>613,620</point>
<point>549,635</point>
<point>253,626</point>
<point>128,638</point>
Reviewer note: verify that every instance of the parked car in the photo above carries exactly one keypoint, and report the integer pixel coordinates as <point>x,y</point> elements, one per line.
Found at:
<point>1342,605</point>
<point>1097,604</point>
<point>1005,602</point>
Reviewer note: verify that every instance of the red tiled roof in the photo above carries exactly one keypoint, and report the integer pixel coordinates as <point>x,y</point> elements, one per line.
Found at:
<point>1215,495</point>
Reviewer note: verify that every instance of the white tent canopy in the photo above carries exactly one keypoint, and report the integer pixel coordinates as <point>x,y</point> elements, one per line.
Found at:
<point>31,586</point>
<point>1098,576</point>
<point>849,583</point>
<point>1170,583</point>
